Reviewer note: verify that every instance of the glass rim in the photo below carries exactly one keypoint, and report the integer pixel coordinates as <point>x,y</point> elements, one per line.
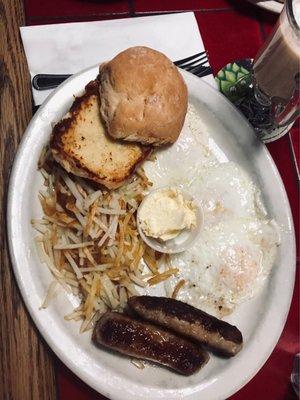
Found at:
<point>291,16</point>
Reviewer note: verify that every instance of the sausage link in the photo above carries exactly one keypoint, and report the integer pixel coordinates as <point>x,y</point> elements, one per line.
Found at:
<point>149,342</point>
<point>221,337</point>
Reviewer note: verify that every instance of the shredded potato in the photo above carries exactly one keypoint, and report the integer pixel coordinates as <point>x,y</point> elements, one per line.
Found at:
<point>89,240</point>
<point>162,277</point>
<point>178,286</point>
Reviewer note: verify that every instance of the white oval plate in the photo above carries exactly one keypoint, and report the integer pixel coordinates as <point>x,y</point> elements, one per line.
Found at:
<point>261,320</point>
<point>269,5</point>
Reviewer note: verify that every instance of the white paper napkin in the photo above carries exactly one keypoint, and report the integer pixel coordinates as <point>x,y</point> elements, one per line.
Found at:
<point>69,48</point>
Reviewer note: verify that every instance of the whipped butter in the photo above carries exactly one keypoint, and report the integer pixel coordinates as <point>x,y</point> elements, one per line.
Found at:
<point>166,213</point>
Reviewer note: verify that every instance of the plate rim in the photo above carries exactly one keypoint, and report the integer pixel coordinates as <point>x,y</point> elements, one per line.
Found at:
<point>60,353</point>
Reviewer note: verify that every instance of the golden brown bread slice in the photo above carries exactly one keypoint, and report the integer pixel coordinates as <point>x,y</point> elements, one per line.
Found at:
<point>80,144</point>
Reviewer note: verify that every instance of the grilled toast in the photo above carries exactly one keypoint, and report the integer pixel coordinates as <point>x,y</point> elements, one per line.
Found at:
<point>80,144</point>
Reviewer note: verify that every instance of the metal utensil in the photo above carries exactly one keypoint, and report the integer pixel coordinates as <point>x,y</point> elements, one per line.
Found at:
<point>196,64</point>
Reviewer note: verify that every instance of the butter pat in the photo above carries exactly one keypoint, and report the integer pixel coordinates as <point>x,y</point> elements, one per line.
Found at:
<point>165,213</point>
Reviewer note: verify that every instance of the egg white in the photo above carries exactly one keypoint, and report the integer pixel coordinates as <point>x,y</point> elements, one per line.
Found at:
<point>224,191</point>
<point>228,265</point>
<point>235,252</point>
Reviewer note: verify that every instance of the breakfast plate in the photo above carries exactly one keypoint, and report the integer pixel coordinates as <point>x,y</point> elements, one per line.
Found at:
<point>270,5</point>
<point>261,319</point>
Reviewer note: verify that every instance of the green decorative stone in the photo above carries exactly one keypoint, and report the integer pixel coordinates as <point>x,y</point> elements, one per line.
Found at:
<point>244,70</point>
<point>233,80</point>
<point>230,76</point>
<point>221,74</point>
<point>225,86</point>
<point>235,67</point>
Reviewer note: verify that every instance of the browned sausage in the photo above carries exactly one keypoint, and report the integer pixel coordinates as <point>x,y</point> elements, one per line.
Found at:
<point>218,335</point>
<point>149,342</point>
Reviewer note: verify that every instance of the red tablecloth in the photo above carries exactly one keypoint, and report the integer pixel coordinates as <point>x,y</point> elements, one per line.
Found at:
<point>231,30</point>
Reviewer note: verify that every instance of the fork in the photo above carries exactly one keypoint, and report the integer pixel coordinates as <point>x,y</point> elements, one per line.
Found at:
<point>194,64</point>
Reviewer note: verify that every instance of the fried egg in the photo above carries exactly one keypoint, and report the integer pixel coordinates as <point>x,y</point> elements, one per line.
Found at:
<point>227,265</point>
<point>225,191</point>
<point>236,249</point>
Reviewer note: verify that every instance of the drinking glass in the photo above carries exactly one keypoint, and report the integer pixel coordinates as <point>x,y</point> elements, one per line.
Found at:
<point>272,102</point>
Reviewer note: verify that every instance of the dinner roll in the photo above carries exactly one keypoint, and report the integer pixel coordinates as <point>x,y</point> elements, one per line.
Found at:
<point>143,97</point>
